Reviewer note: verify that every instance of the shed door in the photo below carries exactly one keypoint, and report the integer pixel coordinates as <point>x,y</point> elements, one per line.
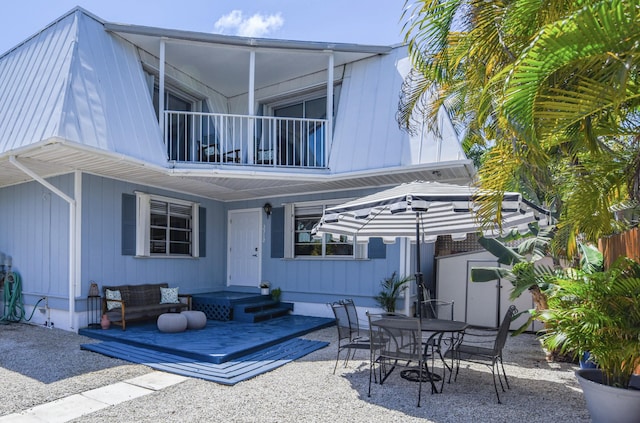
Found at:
<point>244,249</point>
<point>482,298</point>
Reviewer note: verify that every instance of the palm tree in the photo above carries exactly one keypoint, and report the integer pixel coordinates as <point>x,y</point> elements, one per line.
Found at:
<point>548,87</point>
<point>574,91</point>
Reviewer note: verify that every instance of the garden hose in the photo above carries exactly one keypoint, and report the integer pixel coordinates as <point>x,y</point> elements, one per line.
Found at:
<point>13,305</point>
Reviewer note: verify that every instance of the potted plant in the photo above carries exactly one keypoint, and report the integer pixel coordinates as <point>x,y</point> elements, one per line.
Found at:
<point>264,288</point>
<point>276,293</point>
<point>392,286</point>
<point>599,313</point>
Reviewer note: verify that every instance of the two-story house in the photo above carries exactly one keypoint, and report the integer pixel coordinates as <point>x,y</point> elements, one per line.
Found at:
<point>131,154</point>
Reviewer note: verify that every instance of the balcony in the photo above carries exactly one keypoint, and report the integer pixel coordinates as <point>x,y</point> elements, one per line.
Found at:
<point>241,140</point>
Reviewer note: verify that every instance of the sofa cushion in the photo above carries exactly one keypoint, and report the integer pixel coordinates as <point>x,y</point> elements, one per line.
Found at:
<point>169,295</point>
<point>112,295</point>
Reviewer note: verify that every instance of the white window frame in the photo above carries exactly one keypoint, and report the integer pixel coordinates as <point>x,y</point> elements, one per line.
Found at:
<point>143,225</point>
<point>360,250</point>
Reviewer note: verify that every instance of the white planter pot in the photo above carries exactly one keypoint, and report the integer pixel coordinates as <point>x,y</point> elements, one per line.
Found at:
<point>264,291</point>
<point>607,404</point>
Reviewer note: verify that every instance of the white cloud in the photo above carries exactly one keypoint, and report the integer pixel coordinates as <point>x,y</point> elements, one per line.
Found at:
<point>257,25</point>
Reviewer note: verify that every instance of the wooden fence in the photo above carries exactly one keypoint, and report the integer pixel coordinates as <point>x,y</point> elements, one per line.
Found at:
<point>624,244</point>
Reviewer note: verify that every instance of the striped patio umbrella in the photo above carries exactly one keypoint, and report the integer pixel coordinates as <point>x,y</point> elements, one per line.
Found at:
<point>422,211</point>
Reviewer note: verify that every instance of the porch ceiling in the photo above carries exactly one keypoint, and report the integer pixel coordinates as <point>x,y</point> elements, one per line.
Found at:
<point>222,62</point>
<point>221,182</point>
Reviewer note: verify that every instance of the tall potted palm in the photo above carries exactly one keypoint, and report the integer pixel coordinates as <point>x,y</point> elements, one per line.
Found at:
<point>392,286</point>
<point>599,312</point>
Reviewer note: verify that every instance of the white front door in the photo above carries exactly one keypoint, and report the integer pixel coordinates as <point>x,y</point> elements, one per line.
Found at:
<point>245,247</point>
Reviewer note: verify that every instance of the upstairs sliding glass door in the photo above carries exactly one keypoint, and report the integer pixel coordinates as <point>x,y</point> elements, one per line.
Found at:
<point>301,142</point>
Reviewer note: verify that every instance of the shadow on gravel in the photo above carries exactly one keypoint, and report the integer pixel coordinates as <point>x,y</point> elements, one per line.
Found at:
<point>48,355</point>
<point>533,396</point>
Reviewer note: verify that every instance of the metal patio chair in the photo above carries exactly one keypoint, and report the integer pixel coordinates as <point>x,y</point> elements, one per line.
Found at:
<point>397,342</point>
<point>437,309</point>
<point>439,345</point>
<point>484,346</point>
<point>349,337</point>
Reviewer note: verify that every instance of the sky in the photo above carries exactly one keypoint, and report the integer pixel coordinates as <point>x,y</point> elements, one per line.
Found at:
<point>374,22</point>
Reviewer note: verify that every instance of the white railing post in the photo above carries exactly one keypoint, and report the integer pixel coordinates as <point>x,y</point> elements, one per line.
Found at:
<point>328,130</point>
<point>161,89</point>
<point>252,146</point>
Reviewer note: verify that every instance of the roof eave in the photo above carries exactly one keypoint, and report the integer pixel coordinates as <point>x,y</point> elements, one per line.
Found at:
<point>251,42</point>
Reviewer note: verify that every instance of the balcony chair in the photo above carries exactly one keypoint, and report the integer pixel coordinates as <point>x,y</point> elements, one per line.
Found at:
<point>484,346</point>
<point>211,153</point>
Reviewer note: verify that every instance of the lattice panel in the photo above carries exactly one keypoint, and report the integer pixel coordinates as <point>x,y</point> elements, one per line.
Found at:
<point>214,311</point>
<point>446,246</point>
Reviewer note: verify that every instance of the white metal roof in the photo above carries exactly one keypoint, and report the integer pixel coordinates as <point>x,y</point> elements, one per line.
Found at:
<point>74,98</point>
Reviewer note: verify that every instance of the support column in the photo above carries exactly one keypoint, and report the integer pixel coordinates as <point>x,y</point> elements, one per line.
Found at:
<point>161,88</point>
<point>329,129</point>
<point>251,142</point>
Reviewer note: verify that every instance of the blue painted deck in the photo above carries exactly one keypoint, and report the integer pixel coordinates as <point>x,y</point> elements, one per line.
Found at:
<point>227,373</point>
<point>218,342</point>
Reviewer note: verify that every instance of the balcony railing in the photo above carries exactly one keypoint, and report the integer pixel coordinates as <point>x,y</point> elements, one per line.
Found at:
<point>243,140</point>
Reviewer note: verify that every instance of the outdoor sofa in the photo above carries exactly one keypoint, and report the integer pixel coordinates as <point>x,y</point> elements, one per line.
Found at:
<point>124,303</point>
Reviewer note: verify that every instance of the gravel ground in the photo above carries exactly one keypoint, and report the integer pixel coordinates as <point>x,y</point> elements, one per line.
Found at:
<point>38,365</point>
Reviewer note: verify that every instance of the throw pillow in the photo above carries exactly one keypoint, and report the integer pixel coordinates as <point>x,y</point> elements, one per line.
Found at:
<point>113,295</point>
<point>168,295</point>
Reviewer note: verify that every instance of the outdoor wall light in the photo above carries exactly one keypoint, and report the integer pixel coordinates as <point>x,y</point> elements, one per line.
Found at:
<point>267,209</point>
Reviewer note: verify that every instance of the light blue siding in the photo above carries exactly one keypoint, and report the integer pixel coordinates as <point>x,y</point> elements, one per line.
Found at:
<point>34,230</point>
<point>104,263</point>
<point>325,280</point>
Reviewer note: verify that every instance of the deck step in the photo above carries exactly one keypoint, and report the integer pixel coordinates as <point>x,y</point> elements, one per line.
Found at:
<point>256,306</point>
<point>227,373</point>
<point>259,311</point>
<point>262,315</point>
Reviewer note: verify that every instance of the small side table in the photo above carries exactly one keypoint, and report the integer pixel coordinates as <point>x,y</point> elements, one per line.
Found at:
<point>185,299</point>
<point>93,311</point>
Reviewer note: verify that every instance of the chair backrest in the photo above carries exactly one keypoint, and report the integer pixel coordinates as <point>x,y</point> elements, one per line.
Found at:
<point>437,309</point>
<point>352,314</point>
<point>401,336</point>
<point>503,330</point>
<point>342,320</point>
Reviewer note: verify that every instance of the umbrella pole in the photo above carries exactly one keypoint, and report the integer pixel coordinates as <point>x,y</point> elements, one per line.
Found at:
<point>419,281</point>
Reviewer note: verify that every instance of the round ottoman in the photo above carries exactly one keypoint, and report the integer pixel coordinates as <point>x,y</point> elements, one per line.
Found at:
<point>195,319</point>
<point>172,322</point>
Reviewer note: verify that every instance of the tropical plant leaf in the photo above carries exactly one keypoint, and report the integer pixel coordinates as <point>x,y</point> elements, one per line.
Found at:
<point>505,255</point>
<point>591,259</point>
<point>488,274</point>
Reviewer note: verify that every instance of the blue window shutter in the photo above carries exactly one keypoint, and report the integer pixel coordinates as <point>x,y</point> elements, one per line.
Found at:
<point>128,225</point>
<point>377,248</point>
<point>277,232</point>
<point>202,232</point>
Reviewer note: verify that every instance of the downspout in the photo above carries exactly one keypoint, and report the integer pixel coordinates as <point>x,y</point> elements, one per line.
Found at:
<point>74,226</point>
